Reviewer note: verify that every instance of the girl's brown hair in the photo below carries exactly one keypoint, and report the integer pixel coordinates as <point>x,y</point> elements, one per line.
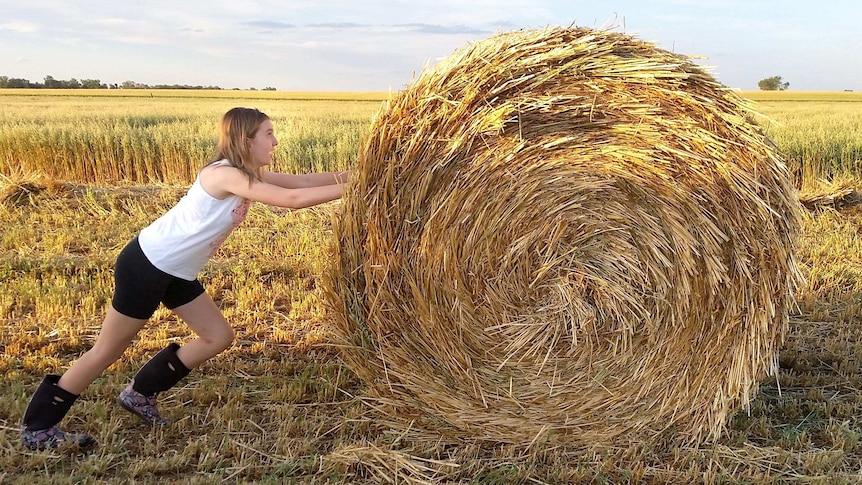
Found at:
<point>238,126</point>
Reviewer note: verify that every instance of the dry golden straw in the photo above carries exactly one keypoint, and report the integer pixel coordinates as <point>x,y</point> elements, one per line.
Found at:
<point>565,236</point>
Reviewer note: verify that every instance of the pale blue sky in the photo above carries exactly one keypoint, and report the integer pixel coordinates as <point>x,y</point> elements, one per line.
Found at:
<point>378,45</point>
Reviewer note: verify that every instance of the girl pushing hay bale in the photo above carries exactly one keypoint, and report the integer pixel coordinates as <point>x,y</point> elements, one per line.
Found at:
<point>566,236</point>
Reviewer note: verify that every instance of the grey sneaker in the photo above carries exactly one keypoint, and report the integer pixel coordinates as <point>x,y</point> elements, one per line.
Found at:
<point>53,438</point>
<point>142,406</point>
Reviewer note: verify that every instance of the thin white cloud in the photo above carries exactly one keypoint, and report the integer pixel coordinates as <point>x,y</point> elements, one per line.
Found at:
<point>371,45</point>
<point>19,26</point>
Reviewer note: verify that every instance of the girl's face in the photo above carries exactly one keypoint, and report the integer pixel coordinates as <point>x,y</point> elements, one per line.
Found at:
<point>261,146</point>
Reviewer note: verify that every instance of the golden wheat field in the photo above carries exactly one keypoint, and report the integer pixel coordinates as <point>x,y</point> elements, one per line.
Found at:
<point>81,172</point>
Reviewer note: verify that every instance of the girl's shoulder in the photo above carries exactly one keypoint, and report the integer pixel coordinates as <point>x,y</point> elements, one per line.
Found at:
<point>218,177</point>
<point>216,164</point>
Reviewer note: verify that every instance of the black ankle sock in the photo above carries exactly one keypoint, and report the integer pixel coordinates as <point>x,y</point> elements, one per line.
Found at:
<point>161,373</point>
<point>49,404</point>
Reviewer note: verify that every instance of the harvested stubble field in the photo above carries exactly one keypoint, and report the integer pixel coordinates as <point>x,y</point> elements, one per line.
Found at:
<point>83,172</point>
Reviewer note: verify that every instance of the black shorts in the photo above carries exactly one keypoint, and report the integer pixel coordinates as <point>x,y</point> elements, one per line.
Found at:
<point>140,286</point>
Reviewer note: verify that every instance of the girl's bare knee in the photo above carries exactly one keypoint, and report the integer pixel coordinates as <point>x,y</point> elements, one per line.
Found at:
<point>227,338</point>
<point>221,340</point>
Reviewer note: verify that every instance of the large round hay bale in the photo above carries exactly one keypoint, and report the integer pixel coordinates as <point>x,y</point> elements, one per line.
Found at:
<point>566,236</point>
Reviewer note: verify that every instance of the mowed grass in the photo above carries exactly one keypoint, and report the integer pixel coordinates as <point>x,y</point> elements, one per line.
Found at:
<point>278,406</point>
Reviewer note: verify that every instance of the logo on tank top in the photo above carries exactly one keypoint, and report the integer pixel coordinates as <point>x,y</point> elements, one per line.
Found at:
<point>240,212</point>
<point>237,215</point>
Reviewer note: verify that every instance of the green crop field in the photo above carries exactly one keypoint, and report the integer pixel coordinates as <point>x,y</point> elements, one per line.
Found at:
<point>82,171</point>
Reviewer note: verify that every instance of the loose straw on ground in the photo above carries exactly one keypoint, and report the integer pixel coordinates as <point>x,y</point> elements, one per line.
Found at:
<point>565,236</point>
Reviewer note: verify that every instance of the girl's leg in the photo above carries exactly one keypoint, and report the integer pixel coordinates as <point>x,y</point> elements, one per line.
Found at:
<point>214,332</point>
<point>117,333</point>
<point>56,394</point>
<point>47,407</point>
<point>173,363</point>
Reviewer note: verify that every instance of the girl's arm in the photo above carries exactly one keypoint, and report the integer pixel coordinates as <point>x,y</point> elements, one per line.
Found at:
<point>221,182</point>
<point>291,181</point>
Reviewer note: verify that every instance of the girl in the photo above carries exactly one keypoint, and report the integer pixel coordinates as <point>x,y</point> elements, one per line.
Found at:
<point>161,265</point>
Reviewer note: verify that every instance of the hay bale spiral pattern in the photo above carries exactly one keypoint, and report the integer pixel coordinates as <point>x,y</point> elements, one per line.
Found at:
<point>565,235</point>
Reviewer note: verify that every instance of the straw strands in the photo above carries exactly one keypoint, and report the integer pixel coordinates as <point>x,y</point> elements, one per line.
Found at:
<point>565,236</point>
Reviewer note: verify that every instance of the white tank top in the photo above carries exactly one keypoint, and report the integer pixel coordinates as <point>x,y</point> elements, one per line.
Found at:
<point>182,240</point>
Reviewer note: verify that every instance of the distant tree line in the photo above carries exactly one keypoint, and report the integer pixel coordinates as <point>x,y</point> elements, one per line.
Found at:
<point>51,83</point>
